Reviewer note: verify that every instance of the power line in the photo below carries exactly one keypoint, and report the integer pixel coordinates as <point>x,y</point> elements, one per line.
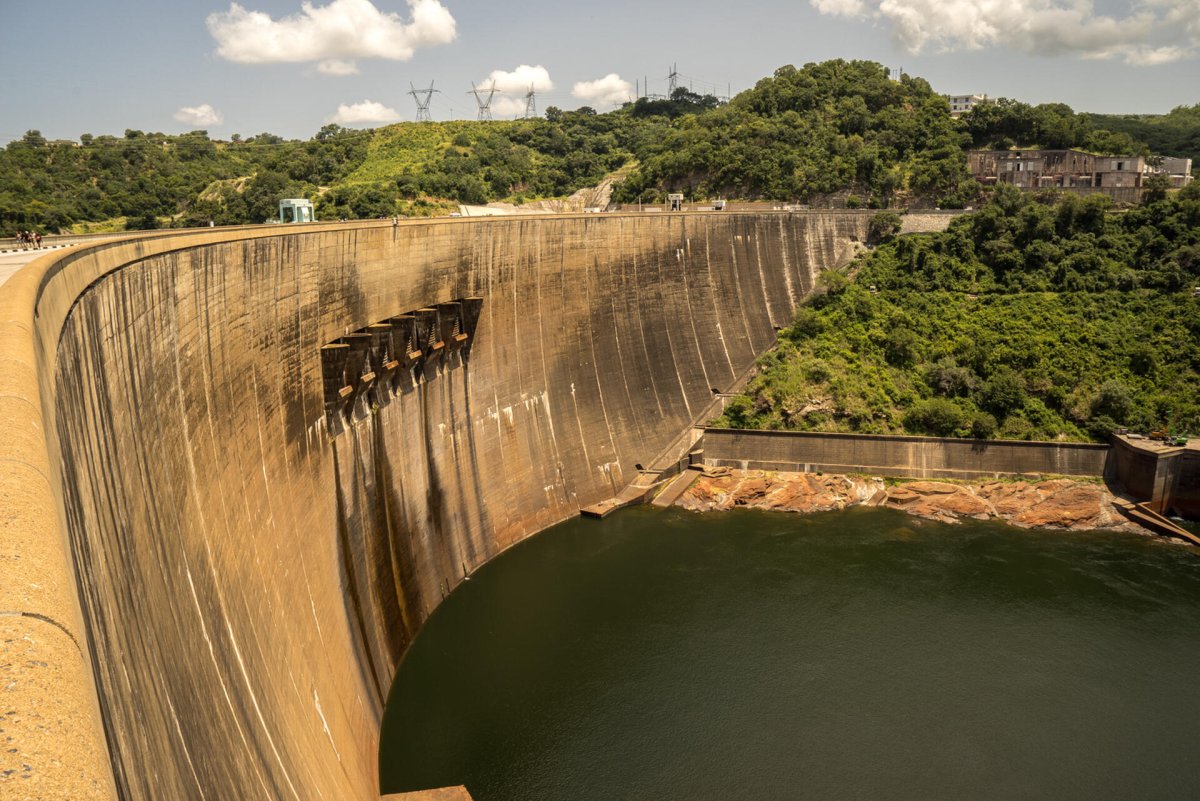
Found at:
<point>423,98</point>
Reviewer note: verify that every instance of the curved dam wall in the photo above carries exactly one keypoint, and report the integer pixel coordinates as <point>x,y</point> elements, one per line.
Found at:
<point>238,573</point>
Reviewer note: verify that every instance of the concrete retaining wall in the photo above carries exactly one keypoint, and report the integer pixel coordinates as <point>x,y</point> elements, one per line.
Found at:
<point>248,582</point>
<point>1166,478</point>
<point>901,457</point>
<point>928,222</point>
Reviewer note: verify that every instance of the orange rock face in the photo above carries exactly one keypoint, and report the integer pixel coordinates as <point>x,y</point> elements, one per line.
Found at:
<point>1059,503</point>
<point>938,501</point>
<point>789,492</point>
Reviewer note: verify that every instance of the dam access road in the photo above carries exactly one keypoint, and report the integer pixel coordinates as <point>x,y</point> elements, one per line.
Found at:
<point>239,468</point>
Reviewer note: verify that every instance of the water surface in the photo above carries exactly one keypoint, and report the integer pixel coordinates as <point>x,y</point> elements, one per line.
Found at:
<point>852,655</point>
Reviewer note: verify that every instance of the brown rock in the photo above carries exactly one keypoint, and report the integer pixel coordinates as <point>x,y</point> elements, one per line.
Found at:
<point>939,501</point>
<point>1061,503</point>
<point>1070,506</point>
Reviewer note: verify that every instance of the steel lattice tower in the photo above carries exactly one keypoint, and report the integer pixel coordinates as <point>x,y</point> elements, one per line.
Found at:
<point>485,106</point>
<point>423,98</point>
<point>530,103</point>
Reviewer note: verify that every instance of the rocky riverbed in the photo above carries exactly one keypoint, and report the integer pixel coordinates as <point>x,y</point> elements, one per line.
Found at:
<point>1054,503</point>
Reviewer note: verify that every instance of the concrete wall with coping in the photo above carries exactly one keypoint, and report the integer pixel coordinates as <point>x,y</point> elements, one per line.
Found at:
<point>901,457</point>
<point>214,592</point>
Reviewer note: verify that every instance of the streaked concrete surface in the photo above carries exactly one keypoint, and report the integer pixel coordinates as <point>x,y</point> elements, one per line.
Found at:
<point>249,583</point>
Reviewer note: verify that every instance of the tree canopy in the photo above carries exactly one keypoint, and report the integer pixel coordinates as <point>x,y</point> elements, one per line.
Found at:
<point>1033,318</point>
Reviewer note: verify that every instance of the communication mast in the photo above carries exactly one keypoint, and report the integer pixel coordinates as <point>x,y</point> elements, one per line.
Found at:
<point>530,103</point>
<point>485,106</point>
<point>423,98</point>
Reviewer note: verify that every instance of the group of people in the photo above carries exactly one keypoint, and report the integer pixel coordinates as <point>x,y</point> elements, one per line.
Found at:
<point>29,239</point>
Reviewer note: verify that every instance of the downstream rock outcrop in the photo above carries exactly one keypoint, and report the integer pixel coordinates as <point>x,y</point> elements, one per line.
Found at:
<point>1056,503</point>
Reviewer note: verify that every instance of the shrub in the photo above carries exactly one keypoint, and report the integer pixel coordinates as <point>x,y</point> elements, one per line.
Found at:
<point>937,416</point>
<point>946,378</point>
<point>883,227</point>
<point>833,282</point>
<point>983,425</point>
<point>807,324</point>
<point>1114,401</point>
<point>902,347</point>
<point>739,413</point>
<point>1101,428</point>
<point>1003,393</point>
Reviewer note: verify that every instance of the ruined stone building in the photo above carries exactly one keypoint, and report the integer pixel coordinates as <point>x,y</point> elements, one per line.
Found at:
<point>1178,170</point>
<point>1056,169</point>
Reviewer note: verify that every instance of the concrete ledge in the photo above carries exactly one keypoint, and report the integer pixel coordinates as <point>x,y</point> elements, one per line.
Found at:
<point>444,794</point>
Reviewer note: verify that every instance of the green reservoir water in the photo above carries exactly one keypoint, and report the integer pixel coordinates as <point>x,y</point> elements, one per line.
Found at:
<point>852,655</point>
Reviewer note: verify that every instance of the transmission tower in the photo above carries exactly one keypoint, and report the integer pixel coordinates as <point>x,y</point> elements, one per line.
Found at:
<point>423,97</point>
<point>672,80</point>
<point>530,103</point>
<point>485,106</point>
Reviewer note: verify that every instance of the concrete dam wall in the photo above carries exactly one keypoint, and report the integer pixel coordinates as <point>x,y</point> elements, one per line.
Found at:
<point>238,572</point>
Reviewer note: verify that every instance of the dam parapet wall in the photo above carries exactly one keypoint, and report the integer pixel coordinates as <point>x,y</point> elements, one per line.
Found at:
<point>237,577</point>
<point>899,456</point>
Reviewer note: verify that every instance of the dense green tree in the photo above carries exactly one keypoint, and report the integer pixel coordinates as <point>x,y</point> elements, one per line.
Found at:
<point>1029,319</point>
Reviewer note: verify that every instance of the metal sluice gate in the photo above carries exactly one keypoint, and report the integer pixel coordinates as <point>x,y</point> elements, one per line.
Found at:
<point>365,369</point>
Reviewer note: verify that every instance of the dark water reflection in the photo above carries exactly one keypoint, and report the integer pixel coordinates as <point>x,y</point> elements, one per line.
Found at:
<point>855,655</point>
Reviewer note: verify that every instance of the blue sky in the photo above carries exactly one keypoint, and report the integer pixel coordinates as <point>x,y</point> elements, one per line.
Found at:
<point>103,67</point>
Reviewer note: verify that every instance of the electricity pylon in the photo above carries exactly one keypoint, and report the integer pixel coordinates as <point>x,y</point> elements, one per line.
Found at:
<point>485,106</point>
<point>530,103</point>
<point>423,98</point>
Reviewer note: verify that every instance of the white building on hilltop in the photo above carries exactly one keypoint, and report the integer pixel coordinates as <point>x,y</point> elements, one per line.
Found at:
<point>961,104</point>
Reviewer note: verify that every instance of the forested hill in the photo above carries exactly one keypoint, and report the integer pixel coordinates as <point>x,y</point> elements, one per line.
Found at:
<point>1006,123</point>
<point>840,128</point>
<point>1024,320</point>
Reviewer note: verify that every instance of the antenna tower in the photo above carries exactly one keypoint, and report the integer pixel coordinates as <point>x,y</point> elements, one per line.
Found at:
<point>485,106</point>
<point>530,103</point>
<point>423,98</point>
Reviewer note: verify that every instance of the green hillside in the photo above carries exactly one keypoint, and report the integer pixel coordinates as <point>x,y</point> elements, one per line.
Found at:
<point>839,132</point>
<point>1023,321</point>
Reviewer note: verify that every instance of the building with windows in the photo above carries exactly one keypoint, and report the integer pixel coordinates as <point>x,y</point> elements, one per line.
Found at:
<point>961,104</point>
<point>1057,169</point>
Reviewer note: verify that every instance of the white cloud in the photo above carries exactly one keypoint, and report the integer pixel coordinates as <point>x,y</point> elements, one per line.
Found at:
<point>611,90</point>
<point>199,116</point>
<point>513,86</point>
<point>365,113</point>
<point>840,8</point>
<point>338,67</point>
<point>332,35</point>
<point>1151,32</point>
